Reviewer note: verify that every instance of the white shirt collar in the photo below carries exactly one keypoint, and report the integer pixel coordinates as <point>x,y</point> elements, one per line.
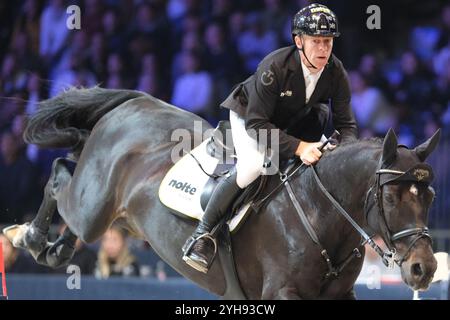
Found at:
<point>307,73</point>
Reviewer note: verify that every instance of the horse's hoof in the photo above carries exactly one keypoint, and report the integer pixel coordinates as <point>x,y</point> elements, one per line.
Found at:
<point>59,254</point>
<point>16,234</point>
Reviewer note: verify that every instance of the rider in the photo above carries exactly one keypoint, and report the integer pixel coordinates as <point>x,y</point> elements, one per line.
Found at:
<point>288,84</point>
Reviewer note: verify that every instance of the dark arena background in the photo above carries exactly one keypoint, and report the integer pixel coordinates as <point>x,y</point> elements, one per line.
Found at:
<point>191,53</point>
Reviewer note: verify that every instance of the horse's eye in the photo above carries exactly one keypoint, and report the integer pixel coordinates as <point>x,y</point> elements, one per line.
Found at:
<point>389,198</point>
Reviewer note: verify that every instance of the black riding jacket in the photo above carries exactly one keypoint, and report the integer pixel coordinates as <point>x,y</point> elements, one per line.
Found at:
<point>274,98</point>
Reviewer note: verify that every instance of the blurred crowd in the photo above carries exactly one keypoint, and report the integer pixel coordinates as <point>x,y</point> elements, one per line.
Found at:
<point>191,52</point>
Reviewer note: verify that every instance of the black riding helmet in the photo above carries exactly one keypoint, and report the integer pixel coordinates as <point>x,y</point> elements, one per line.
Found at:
<point>315,20</point>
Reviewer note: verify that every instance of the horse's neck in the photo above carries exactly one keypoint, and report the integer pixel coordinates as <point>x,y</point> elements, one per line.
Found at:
<point>348,175</point>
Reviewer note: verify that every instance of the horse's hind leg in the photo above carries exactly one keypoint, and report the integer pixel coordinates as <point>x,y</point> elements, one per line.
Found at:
<point>60,252</point>
<point>33,237</point>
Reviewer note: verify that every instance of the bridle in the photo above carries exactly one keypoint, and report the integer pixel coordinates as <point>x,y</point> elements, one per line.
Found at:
<point>383,177</point>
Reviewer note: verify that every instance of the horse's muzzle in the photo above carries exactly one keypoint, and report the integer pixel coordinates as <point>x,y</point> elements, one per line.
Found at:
<point>418,270</point>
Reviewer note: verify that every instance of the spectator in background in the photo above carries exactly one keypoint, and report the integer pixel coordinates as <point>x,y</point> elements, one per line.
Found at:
<point>444,39</point>
<point>220,60</point>
<point>190,43</point>
<point>53,32</point>
<point>17,128</point>
<point>221,10</point>
<point>430,125</point>
<point>149,64</point>
<point>236,26</point>
<point>28,22</point>
<point>114,257</point>
<point>256,42</point>
<point>406,135</point>
<point>9,108</point>
<point>441,88</point>
<point>114,81</point>
<point>13,77</point>
<point>19,261</point>
<point>112,30</point>
<point>149,22</point>
<point>191,22</point>
<point>151,265</point>
<point>275,16</point>
<point>115,70</point>
<point>35,95</point>
<point>160,272</point>
<point>176,9</point>
<point>193,89</point>
<point>153,30</point>
<point>78,51</point>
<point>18,187</point>
<point>97,57</point>
<point>91,19</point>
<point>148,83</point>
<point>423,41</point>
<point>415,86</point>
<point>369,69</point>
<point>371,108</point>
<point>150,80</point>
<point>20,47</point>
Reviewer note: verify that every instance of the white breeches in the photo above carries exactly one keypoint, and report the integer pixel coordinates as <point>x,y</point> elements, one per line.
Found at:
<point>250,159</point>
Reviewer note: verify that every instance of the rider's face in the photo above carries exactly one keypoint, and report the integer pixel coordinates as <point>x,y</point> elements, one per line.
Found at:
<point>317,49</point>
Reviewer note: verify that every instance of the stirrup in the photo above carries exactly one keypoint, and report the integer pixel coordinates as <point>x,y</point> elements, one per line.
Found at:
<point>187,249</point>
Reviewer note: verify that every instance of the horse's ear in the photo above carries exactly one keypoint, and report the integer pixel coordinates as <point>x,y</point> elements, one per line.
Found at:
<point>426,148</point>
<point>389,148</point>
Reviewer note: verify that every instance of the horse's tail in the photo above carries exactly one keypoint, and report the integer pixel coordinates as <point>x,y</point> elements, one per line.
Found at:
<point>66,120</point>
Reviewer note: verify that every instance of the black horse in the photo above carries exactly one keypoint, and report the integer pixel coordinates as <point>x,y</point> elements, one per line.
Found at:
<point>121,141</point>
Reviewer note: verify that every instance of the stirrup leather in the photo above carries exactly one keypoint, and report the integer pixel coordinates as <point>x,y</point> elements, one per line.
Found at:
<point>187,248</point>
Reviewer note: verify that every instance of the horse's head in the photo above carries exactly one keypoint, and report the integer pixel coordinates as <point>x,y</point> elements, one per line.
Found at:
<point>403,198</point>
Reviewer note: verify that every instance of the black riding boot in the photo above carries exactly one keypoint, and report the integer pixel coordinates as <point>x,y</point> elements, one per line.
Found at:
<point>202,250</point>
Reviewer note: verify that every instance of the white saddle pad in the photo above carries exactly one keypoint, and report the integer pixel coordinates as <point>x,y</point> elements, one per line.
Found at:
<point>183,185</point>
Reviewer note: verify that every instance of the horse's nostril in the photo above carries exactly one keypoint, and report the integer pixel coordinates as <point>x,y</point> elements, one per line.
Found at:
<point>417,270</point>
